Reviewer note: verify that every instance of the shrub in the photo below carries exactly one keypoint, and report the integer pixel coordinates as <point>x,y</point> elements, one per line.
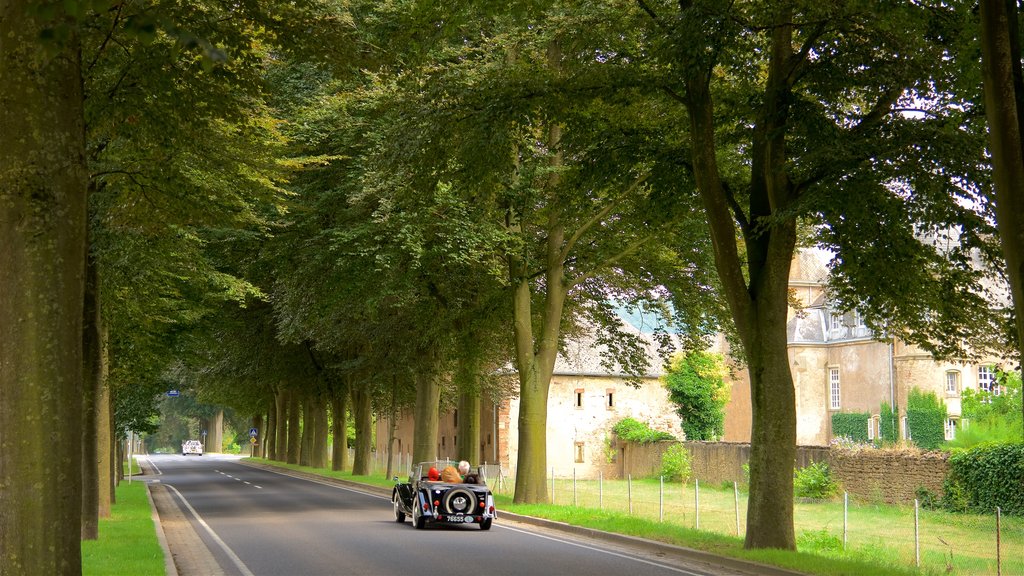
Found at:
<point>986,476</point>
<point>815,481</point>
<point>675,463</point>
<point>929,500</point>
<point>632,430</point>
<point>852,425</point>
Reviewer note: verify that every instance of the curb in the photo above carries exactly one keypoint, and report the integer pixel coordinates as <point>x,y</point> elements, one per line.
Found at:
<point>169,568</point>
<point>668,550</point>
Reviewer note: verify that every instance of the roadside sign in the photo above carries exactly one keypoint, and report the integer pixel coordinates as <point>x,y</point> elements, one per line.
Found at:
<point>252,439</point>
<point>173,393</point>
<point>253,432</point>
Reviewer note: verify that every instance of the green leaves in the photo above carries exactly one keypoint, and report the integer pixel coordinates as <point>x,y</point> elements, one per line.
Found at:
<point>696,385</point>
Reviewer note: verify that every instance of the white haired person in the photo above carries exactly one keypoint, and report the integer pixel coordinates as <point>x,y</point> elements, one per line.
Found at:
<point>467,477</point>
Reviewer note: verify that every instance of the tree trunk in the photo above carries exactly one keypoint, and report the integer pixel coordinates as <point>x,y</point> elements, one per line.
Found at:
<point>104,432</point>
<point>535,362</point>
<point>294,440</point>
<point>469,426</point>
<point>1004,109</point>
<point>306,452</point>
<point>270,438</point>
<point>92,383</point>
<point>425,418</point>
<point>42,249</point>
<point>319,432</point>
<point>257,447</point>
<point>363,413</point>
<point>281,437</point>
<point>339,415</point>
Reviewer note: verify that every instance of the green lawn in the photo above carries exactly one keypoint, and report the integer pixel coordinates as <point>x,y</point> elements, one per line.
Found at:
<point>127,542</point>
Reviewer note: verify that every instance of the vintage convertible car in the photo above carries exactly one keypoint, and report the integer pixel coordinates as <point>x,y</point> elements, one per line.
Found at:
<point>436,502</point>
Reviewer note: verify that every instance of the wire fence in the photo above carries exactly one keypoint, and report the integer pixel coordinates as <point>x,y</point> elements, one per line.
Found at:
<point>936,541</point>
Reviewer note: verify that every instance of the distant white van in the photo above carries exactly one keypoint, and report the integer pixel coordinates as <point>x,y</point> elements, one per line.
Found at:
<point>191,447</point>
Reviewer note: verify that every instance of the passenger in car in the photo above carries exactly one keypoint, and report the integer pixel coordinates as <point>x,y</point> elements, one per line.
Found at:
<point>451,474</point>
<point>433,475</point>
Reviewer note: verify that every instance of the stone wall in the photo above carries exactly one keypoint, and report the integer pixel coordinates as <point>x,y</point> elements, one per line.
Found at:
<point>890,476</point>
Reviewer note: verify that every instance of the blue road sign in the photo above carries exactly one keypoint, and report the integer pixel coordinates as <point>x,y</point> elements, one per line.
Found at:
<point>253,432</point>
<point>173,393</point>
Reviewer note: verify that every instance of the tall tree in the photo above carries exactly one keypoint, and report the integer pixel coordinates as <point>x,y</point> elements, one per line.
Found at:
<point>795,115</point>
<point>1004,107</point>
<point>43,182</point>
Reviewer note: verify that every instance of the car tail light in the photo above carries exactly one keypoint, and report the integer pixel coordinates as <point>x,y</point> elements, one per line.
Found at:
<point>426,506</point>
<point>481,504</point>
<point>492,509</point>
<point>437,503</point>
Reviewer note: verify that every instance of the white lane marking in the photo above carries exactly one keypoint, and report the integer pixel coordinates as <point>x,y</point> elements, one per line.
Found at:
<point>610,553</point>
<point>155,467</point>
<point>260,487</point>
<point>230,553</point>
<point>371,494</point>
<point>496,525</point>
<point>247,482</point>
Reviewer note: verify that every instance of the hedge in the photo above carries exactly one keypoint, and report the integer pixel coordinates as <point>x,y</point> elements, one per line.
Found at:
<point>984,477</point>
<point>852,425</point>
<point>632,430</point>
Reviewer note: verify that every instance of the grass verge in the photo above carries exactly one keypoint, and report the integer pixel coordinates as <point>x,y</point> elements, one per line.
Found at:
<point>127,542</point>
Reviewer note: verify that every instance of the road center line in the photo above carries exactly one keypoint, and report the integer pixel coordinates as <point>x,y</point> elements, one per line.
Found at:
<point>230,553</point>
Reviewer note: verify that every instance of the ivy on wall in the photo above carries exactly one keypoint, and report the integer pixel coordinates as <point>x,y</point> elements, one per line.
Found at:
<point>926,417</point>
<point>852,425</point>
<point>632,430</point>
<point>888,424</point>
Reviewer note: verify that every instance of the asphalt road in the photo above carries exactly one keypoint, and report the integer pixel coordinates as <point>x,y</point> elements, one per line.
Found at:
<point>260,522</point>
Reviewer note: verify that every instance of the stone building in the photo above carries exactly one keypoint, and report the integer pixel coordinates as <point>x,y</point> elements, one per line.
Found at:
<point>839,365</point>
<point>585,401</point>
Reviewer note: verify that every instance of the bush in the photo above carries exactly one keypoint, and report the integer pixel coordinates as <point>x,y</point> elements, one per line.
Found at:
<point>929,500</point>
<point>675,463</point>
<point>984,477</point>
<point>815,481</point>
<point>852,425</point>
<point>631,430</point>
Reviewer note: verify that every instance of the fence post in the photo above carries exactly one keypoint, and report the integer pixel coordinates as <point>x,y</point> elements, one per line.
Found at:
<point>999,559</point>
<point>846,507</point>
<point>736,505</point>
<point>552,485</point>
<point>600,490</point>
<point>574,486</point>
<point>661,498</point>
<point>696,503</point>
<point>917,536</point>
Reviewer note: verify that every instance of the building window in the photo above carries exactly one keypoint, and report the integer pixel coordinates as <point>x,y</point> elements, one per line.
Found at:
<point>835,321</point>
<point>579,398</point>
<point>987,379</point>
<point>488,439</point>
<point>872,423</point>
<point>952,383</point>
<point>950,428</point>
<point>579,452</point>
<point>904,429</point>
<point>455,418</point>
<point>833,386</point>
<point>610,399</point>
<point>442,441</point>
<point>858,319</point>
